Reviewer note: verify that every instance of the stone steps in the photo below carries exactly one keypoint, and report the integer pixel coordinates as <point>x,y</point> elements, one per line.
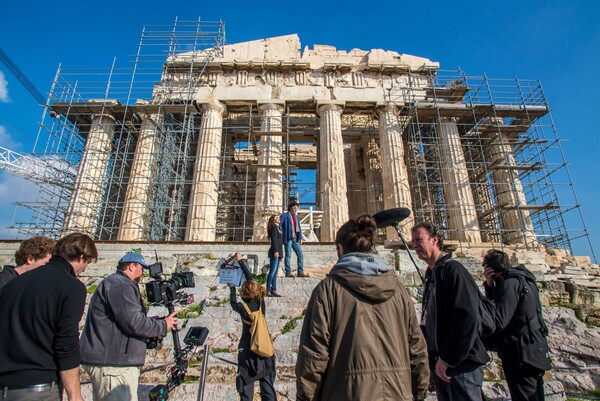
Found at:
<point>224,332</point>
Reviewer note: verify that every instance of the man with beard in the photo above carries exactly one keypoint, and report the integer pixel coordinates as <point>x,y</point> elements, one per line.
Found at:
<point>450,320</point>
<point>113,342</point>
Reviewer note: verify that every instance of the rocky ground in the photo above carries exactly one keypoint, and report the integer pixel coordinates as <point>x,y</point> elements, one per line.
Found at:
<point>575,346</point>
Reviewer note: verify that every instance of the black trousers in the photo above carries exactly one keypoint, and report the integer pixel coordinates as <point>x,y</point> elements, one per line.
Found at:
<point>267,391</point>
<point>525,382</point>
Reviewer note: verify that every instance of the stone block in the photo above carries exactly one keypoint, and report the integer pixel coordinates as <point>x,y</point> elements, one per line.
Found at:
<point>583,261</point>
<point>552,261</point>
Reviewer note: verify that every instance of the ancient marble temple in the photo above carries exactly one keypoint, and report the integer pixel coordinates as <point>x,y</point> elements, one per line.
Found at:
<point>376,127</point>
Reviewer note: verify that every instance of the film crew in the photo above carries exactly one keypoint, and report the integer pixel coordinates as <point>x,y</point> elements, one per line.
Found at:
<point>520,337</point>
<point>292,239</point>
<point>32,253</point>
<point>251,367</point>
<point>450,320</point>
<point>113,342</point>
<point>275,254</point>
<point>39,320</point>
<point>360,338</point>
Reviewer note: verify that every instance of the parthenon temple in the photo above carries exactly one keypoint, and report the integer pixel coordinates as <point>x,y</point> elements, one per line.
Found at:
<point>205,140</point>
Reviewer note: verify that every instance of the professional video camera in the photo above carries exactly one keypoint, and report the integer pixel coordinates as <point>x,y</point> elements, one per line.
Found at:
<point>166,292</point>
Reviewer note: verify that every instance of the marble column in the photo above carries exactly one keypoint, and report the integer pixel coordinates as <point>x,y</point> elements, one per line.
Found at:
<point>202,213</point>
<point>516,223</point>
<point>396,186</point>
<point>355,176</point>
<point>458,197</point>
<point>332,175</point>
<point>85,202</point>
<point>136,207</point>
<point>269,185</point>
<point>373,182</point>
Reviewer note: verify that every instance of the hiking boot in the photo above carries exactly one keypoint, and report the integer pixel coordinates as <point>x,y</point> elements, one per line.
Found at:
<point>276,294</point>
<point>303,275</point>
<point>290,275</point>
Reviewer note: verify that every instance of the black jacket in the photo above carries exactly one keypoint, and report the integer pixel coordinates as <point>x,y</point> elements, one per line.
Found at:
<point>39,317</point>
<point>116,327</point>
<point>456,315</point>
<point>519,335</point>
<point>276,236</point>
<point>7,274</point>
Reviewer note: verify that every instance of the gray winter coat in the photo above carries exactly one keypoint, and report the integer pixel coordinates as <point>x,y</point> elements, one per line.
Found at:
<point>116,327</point>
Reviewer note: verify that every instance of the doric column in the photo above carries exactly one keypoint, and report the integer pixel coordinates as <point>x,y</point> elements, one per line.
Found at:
<point>373,184</point>
<point>396,187</point>
<point>136,207</point>
<point>269,186</point>
<point>202,213</point>
<point>355,176</point>
<point>85,202</point>
<point>458,197</point>
<point>507,187</point>
<point>332,175</point>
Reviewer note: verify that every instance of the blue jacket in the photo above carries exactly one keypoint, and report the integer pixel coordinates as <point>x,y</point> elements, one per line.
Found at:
<point>287,227</point>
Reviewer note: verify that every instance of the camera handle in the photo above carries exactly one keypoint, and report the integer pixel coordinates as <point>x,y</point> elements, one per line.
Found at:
<point>174,333</point>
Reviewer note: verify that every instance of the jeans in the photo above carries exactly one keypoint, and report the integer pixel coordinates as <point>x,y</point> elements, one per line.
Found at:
<point>293,244</point>
<point>272,276</point>
<point>463,387</point>
<point>53,393</point>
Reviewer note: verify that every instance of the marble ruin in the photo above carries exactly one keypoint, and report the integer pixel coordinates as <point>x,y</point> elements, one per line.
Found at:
<point>226,135</point>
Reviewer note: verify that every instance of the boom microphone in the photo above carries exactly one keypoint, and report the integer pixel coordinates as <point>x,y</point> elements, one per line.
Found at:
<point>389,217</point>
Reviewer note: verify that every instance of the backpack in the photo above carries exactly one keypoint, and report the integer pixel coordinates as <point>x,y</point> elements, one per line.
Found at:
<point>260,339</point>
<point>487,314</point>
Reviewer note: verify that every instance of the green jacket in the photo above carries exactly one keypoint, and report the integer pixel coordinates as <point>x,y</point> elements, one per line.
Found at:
<point>361,339</point>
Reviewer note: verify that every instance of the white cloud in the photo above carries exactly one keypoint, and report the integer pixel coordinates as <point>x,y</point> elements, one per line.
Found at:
<point>4,97</point>
<point>7,141</point>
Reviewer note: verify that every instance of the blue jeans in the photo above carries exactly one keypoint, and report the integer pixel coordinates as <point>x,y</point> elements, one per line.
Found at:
<point>293,244</point>
<point>272,276</point>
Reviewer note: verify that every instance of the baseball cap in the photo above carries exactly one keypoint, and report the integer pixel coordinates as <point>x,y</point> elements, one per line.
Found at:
<point>133,257</point>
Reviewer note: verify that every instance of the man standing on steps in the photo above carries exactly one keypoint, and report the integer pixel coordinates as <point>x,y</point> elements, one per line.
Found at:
<point>450,320</point>
<point>113,342</point>
<point>292,239</point>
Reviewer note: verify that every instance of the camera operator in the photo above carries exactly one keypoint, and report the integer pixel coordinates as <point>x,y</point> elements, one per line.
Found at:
<point>113,342</point>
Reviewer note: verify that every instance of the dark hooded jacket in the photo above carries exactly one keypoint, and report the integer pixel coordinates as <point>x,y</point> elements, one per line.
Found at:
<point>361,338</point>
<point>520,332</point>
<point>452,292</point>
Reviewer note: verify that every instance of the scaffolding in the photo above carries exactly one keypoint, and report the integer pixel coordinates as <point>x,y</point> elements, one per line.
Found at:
<point>493,138</point>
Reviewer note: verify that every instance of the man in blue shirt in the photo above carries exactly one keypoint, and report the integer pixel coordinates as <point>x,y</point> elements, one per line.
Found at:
<point>292,239</point>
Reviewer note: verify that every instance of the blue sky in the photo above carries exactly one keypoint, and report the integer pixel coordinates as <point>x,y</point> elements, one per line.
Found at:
<point>557,42</point>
